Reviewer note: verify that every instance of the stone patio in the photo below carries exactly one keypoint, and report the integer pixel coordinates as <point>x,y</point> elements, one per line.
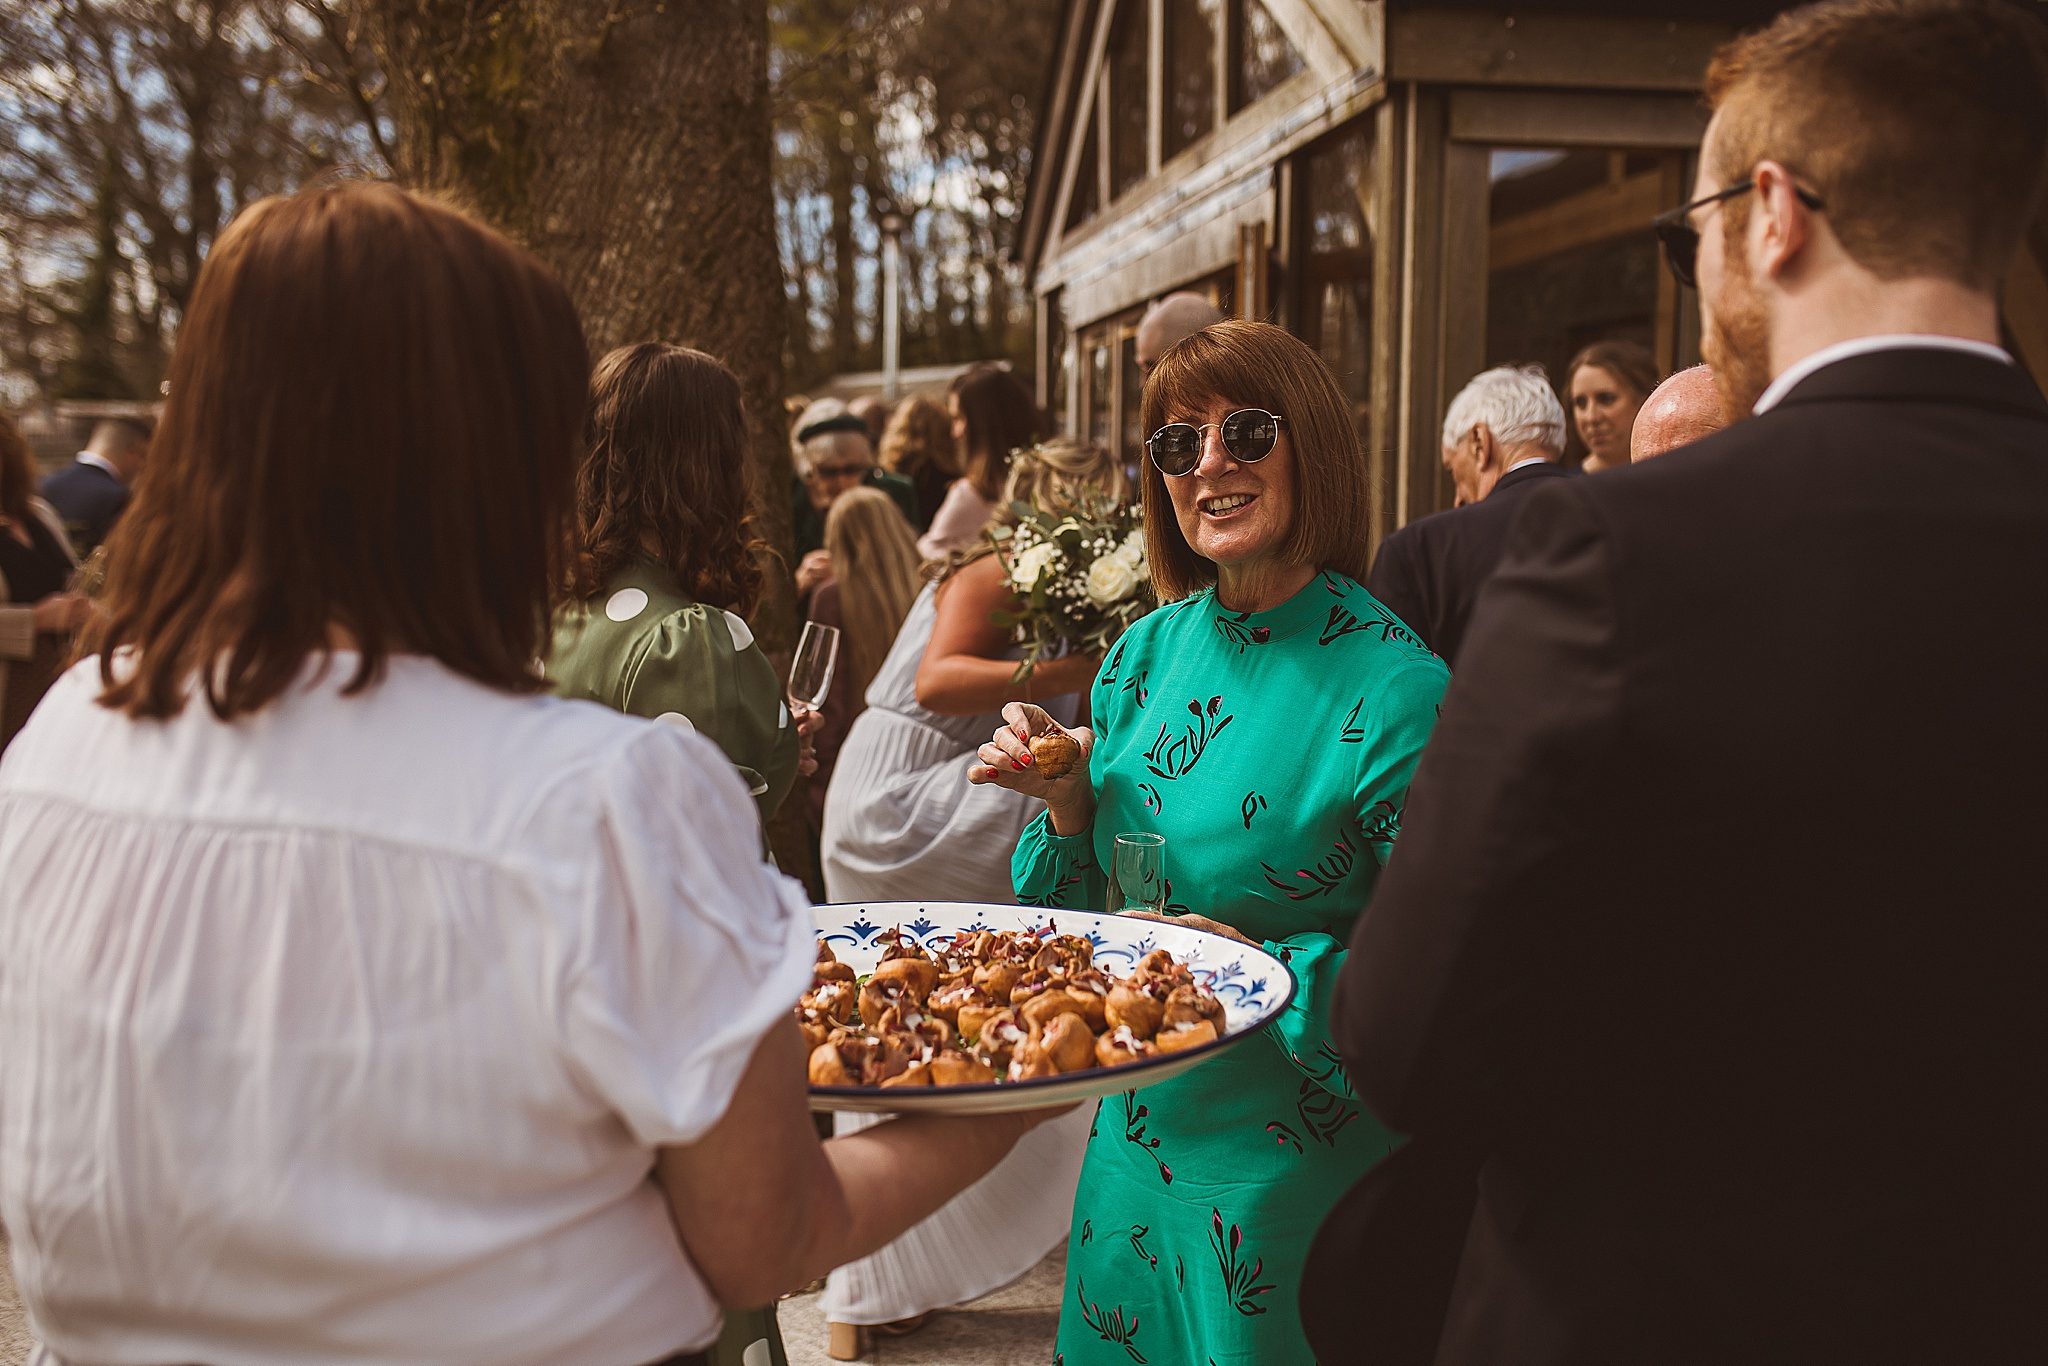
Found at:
<point>1012,1327</point>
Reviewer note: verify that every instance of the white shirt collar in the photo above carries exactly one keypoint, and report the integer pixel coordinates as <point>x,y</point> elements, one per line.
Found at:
<point>1519,464</point>
<point>1863,346</point>
<point>99,462</point>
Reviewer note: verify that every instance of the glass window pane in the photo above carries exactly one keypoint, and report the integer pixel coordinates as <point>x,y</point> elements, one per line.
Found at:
<point>1087,192</point>
<point>1059,363</point>
<point>1129,95</point>
<point>1190,70</point>
<point>1337,261</point>
<point>1569,259</point>
<point>1099,380</point>
<point>1265,58</point>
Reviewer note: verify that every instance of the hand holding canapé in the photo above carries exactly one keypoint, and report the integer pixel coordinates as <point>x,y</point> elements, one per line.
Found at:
<point>1034,754</point>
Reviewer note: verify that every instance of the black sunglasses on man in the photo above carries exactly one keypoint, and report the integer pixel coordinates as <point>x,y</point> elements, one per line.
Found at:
<point>1681,240</point>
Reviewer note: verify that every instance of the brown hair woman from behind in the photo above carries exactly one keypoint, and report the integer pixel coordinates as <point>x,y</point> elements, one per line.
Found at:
<point>333,466</point>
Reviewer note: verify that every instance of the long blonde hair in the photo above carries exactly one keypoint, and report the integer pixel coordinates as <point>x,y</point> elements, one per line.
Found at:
<point>875,562</point>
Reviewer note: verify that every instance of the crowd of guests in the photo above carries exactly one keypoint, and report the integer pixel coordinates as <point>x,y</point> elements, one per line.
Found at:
<point>1648,847</point>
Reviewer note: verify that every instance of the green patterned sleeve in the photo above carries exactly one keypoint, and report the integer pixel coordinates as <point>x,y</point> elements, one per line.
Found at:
<point>1302,1031</point>
<point>689,669</point>
<point>1063,871</point>
<point>1398,729</point>
<point>1398,724</point>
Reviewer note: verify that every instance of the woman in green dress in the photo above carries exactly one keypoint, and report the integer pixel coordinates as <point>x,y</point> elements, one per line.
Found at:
<point>663,572</point>
<point>1265,721</point>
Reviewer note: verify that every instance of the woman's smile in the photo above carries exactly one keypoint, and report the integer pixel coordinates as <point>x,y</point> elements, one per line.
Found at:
<point>1219,507</point>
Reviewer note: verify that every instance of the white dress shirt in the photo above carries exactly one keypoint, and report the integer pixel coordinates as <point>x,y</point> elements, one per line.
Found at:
<point>100,462</point>
<point>1863,346</point>
<point>347,1032</point>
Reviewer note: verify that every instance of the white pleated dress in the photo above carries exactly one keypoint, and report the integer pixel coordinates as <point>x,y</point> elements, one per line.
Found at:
<point>903,823</point>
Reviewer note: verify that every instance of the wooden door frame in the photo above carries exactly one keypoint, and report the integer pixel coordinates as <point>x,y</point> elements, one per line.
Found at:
<point>1443,141</point>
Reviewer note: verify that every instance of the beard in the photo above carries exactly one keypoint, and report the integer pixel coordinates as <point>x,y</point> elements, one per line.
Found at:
<point>1737,344</point>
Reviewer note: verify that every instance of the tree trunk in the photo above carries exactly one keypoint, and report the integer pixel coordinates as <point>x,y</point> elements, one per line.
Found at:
<point>628,145</point>
<point>845,303</point>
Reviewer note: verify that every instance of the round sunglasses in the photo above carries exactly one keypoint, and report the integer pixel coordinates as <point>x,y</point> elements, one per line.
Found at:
<point>1248,435</point>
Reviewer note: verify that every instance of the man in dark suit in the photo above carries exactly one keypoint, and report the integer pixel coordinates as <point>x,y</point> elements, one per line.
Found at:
<point>1715,925</point>
<point>91,492</point>
<point>1502,437</point>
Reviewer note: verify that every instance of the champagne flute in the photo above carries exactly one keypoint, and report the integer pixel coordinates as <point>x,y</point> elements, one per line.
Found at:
<point>1137,874</point>
<point>810,673</point>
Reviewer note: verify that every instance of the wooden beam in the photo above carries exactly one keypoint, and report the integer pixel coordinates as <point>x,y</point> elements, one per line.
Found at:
<point>1155,84</point>
<point>1086,125</point>
<point>1254,278</point>
<point>1468,265</point>
<point>1302,22</point>
<point>1520,118</point>
<point>1211,172</point>
<point>1383,435</point>
<point>1422,283</point>
<point>1576,51</point>
<point>1043,191</point>
<point>1596,215</point>
<point>1358,28</point>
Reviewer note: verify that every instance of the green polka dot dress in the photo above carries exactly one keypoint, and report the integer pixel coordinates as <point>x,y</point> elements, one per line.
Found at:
<point>645,647</point>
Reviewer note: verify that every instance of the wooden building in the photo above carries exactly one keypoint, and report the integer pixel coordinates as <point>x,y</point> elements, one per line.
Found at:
<point>1418,188</point>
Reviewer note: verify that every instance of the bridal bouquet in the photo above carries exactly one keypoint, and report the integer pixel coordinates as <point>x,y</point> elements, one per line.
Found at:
<point>1082,578</point>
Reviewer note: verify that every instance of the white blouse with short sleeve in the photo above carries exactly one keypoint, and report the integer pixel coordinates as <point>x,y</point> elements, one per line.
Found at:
<point>347,1031</point>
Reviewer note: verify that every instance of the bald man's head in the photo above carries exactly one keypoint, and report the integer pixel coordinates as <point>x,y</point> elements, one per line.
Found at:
<point>1677,413</point>
<point>1174,318</point>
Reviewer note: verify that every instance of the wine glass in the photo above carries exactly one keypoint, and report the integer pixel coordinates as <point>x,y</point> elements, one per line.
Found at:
<point>1137,874</point>
<point>810,673</point>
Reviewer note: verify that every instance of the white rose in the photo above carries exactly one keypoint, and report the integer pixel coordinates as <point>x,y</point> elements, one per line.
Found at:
<point>1110,580</point>
<point>1030,563</point>
<point>1132,551</point>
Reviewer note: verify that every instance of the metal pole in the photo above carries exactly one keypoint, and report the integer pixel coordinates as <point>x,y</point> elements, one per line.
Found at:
<point>892,339</point>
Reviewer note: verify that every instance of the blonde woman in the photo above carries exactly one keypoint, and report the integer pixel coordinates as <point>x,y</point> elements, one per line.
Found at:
<point>900,822</point>
<point>918,444</point>
<point>876,578</point>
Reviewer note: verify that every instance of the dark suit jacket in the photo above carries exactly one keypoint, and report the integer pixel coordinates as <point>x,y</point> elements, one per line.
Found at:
<point>88,499</point>
<point>1430,571</point>
<point>1716,925</point>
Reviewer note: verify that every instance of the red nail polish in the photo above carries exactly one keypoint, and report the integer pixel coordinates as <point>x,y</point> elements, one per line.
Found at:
<point>1018,764</point>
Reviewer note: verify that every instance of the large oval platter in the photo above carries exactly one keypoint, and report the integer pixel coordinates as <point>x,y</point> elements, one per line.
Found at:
<point>1253,986</point>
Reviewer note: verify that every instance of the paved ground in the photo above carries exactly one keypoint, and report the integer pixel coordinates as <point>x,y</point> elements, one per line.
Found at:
<point>14,1338</point>
<point>1013,1327</point>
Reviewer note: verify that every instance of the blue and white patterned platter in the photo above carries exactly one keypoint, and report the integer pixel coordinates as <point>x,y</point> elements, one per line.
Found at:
<point>1253,986</point>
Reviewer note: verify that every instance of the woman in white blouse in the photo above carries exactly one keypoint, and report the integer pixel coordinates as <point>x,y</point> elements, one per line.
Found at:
<point>361,1003</point>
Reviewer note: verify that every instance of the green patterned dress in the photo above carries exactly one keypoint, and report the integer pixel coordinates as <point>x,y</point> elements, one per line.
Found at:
<point>645,647</point>
<point>1273,751</point>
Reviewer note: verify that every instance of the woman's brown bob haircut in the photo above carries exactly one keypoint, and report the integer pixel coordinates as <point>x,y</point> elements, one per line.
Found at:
<point>372,425</point>
<point>1257,365</point>
<point>667,469</point>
